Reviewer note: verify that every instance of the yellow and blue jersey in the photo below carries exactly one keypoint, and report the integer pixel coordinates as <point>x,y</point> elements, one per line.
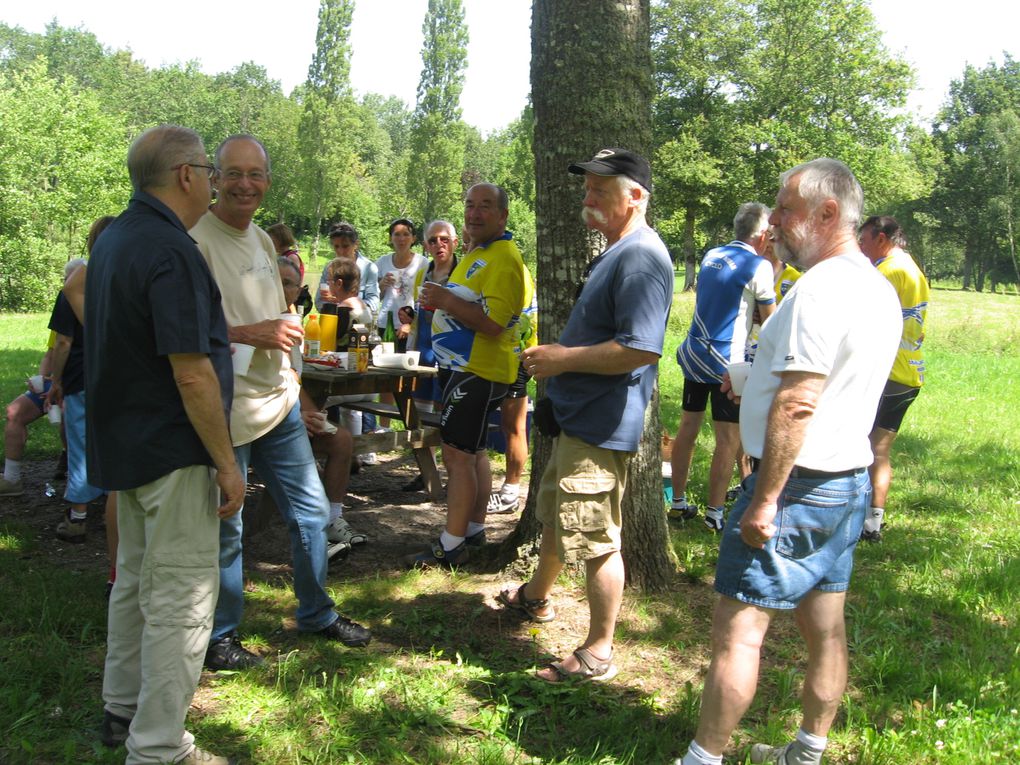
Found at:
<point>912,289</point>
<point>493,276</point>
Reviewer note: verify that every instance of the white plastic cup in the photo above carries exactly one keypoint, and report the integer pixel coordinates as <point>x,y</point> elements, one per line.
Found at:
<point>241,354</point>
<point>36,384</point>
<point>738,376</point>
<point>387,347</point>
<point>55,414</point>
<point>295,350</point>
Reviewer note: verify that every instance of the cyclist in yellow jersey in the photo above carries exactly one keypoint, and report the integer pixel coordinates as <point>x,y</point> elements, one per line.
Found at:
<point>881,239</point>
<point>475,335</point>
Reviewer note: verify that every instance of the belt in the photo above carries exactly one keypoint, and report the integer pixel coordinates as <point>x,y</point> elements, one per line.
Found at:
<point>803,472</point>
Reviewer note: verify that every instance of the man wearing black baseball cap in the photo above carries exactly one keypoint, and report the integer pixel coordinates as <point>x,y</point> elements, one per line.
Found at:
<point>601,375</point>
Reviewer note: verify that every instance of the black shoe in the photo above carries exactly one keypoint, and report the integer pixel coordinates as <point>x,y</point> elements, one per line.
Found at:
<point>351,634</point>
<point>228,653</point>
<point>418,484</point>
<point>871,536</point>
<point>114,731</point>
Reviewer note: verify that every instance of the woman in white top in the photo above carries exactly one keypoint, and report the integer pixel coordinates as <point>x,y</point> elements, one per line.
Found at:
<point>397,273</point>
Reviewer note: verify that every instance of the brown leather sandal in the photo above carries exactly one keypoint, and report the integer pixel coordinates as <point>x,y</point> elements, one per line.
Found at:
<point>592,669</point>
<point>528,607</point>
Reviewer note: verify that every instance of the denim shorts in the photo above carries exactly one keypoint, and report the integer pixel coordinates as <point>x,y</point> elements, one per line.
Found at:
<point>817,527</point>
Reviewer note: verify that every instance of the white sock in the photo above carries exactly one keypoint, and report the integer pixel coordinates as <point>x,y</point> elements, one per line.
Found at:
<point>681,503</point>
<point>449,541</point>
<point>474,528</point>
<point>698,756</point>
<point>806,749</point>
<point>12,470</point>
<point>510,491</point>
<point>79,515</point>
<point>873,520</point>
<point>336,510</point>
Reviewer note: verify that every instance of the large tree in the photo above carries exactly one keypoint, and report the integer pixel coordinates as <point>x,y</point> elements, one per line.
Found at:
<point>437,134</point>
<point>577,114</point>
<point>976,195</point>
<point>748,89</point>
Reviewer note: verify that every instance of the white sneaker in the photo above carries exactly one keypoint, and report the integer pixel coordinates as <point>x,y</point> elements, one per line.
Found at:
<point>11,488</point>
<point>340,531</point>
<point>201,757</point>
<point>714,520</point>
<point>500,504</point>
<point>369,459</point>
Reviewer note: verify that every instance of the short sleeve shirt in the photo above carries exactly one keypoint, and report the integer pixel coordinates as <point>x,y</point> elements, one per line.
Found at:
<point>64,322</point>
<point>627,299</point>
<point>493,277</point>
<point>820,328</point>
<point>149,294</point>
<point>732,280</point>
<point>912,290</point>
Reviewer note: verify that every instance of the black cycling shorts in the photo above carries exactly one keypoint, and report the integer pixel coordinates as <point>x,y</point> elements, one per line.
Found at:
<point>467,402</point>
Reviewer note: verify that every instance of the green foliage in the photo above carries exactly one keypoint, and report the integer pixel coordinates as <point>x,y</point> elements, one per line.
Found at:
<point>747,90</point>
<point>437,134</point>
<point>63,168</point>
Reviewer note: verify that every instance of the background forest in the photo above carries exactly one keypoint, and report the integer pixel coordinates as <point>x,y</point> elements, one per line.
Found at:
<point>743,90</point>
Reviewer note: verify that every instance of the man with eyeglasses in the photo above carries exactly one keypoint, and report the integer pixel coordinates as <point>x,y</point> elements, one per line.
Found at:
<point>159,388</point>
<point>266,425</point>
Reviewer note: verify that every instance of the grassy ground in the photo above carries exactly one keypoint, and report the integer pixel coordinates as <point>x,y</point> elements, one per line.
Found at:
<point>935,675</point>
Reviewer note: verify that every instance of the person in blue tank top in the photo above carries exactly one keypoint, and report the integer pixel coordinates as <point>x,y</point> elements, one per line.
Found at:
<point>734,280</point>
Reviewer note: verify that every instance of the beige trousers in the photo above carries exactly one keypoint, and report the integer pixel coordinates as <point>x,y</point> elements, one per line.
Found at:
<point>161,609</point>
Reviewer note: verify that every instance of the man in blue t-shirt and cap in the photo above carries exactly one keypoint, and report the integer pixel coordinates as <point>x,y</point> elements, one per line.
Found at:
<point>601,375</point>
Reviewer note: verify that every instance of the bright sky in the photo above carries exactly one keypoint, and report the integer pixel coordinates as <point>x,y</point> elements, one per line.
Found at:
<point>937,36</point>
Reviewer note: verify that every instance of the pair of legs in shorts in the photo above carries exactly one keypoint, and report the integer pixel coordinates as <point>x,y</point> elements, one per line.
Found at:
<point>464,421</point>
<point>514,424</point>
<point>579,506</point>
<point>725,419</point>
<point>805,567</point>
<point>896,399</point>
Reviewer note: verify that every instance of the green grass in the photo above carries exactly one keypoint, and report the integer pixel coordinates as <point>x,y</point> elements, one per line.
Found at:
<point>932,618</point>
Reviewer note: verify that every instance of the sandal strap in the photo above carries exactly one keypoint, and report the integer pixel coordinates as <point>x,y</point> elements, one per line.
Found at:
<point>592,665</point>
<point>532,604</point>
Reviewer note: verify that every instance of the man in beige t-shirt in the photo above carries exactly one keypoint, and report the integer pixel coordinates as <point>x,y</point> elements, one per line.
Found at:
<point>267,429</point>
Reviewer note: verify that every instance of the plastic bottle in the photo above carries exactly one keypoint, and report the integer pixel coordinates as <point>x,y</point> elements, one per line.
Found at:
<point>312,336</point>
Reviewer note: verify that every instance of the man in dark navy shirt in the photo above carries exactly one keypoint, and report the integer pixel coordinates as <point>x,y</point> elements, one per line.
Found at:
<point>157,363</point>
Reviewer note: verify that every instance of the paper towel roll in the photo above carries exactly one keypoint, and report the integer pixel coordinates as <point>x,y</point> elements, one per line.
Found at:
<point>394,360</point>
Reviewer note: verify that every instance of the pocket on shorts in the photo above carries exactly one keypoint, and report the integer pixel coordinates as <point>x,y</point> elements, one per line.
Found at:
<point>808,522</point>
<point>181,592</point>
<point>584,501</point>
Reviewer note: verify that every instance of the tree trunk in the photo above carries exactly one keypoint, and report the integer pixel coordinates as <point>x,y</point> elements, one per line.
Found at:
<point>591,88</point>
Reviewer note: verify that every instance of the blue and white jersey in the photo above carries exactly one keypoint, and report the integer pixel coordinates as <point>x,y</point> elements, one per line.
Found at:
<point>732,280</point>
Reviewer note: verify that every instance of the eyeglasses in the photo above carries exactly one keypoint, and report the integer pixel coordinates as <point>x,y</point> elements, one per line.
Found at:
<point>255,176</point>
<point>438,239</point>
<point>209,169</point>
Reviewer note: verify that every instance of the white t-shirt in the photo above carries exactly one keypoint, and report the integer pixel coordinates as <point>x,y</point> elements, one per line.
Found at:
<point>243,263</point>
<point>401,294</point>
<point>822,326</point>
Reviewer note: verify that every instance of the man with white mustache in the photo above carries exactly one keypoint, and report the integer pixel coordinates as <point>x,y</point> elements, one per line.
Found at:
<point>601,376</point>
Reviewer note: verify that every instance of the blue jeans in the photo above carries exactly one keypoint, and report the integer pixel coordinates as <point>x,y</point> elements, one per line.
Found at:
<point>78,490</point>
<point>283,459</point>
<point>817,527</point>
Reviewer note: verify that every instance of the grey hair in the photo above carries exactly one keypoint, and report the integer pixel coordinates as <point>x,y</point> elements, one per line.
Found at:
<point>241,137</point>
<point>157,150</point>
<point>73,265</point>
<point>751,219</point>
<point>825,178</point>
<point>441,223</point>
<point>625,185</point>
<point>285,262</point>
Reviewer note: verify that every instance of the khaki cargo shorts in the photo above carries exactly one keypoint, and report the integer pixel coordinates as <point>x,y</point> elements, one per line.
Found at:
<point>580,497</point>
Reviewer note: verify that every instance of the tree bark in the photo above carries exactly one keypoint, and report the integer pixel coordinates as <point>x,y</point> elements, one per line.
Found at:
<point>591,79</point>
